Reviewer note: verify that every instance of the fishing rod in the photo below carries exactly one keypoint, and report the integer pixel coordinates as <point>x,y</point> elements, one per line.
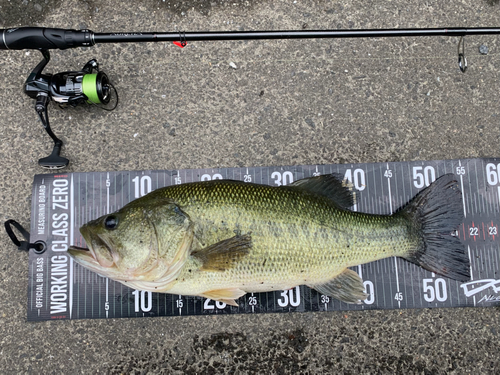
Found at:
<point>50,38</point>
<point>92,86</point>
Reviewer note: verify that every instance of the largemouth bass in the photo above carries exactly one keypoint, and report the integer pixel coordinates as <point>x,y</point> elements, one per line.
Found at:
<point>222,239</point>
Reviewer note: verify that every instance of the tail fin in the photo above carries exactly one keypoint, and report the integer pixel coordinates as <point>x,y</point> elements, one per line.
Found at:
<point>435,213</point>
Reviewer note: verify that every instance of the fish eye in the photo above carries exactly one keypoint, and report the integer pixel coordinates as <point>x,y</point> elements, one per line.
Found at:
<point>111,222</point>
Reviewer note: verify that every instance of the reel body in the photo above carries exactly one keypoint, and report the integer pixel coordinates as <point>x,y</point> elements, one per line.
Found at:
<point>72,88</point>
<point>87,86</point>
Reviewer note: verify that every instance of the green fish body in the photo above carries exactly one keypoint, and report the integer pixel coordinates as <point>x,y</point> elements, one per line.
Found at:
<point>221,239</point>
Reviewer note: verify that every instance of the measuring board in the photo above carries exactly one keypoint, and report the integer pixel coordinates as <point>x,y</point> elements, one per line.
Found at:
<point>58,288</point>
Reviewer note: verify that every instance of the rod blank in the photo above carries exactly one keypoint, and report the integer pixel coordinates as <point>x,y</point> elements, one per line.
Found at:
<point>286,34</point>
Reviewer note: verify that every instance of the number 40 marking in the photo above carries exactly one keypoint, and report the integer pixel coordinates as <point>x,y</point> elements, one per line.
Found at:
<point>357,178</point>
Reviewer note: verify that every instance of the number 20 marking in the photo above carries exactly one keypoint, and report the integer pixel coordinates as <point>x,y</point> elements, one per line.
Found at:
<point>208,306</point>
<point>207,177</point>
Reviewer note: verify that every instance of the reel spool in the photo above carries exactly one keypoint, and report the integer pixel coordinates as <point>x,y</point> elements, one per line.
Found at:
<point>87,86</point>
<point>74,88</point>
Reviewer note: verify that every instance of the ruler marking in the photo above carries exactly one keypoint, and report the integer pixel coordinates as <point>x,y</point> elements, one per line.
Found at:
<point>390,193</point>
<point>395,258</point>
<point>481,201</point>
<point>498,194</point>
<point>465,214</point>
<point>106,306</point>
<point>486,200</point>
<point>477,264</point>
<point>481,260</point>
<point>462,189</point>
<point>471,274</point>
<point>71,242</point>
<point>107,192</point>
<point>397,279</point>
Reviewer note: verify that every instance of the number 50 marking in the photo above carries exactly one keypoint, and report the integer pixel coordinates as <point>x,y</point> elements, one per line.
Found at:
<point>436,291</point>
<point>423,176</point>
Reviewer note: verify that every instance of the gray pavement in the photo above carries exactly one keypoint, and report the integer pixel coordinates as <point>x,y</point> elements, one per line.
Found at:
<point>286,102</point>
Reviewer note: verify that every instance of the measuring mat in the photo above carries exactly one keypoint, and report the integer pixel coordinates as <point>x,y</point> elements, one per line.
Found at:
<point>58,288</point>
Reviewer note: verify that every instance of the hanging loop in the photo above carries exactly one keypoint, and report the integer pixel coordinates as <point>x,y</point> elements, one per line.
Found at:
<point>38,247</point>
<point>462,60</point>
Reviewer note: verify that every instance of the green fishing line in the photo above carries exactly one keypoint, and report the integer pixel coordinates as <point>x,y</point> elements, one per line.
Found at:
<point>89,87</point>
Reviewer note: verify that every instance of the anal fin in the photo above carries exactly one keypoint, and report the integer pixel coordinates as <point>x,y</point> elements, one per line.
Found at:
<point>346,287</point>
<point>224,254</point>
<point>227,296</point>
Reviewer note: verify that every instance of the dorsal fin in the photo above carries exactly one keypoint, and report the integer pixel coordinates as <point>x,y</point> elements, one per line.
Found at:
<point>330,186</point>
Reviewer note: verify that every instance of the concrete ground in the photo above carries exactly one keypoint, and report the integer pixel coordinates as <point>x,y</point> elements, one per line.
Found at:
<point>252,103</point>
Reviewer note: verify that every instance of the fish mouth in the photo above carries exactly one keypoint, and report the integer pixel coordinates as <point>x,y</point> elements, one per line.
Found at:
<point>89,257</point>
<point>79,248</point>
<point>85,257</point>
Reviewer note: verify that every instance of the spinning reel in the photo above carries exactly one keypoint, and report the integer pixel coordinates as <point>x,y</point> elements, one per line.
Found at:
<point>87,86</point>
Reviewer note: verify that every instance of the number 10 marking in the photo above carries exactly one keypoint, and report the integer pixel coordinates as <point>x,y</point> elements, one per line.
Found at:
<point>144,299</point>
<point>142,186</point>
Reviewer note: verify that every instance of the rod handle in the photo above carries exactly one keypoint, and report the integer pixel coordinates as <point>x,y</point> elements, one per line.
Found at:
<point>44,38</point>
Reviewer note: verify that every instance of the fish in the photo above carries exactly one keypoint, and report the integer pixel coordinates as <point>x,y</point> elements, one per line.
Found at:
<point>221,239</point>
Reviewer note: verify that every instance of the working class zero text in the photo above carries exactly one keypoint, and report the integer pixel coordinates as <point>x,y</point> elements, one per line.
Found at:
<point>59,245</point>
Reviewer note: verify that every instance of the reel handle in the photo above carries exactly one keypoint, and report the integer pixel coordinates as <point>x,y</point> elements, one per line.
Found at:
<point>44,38</point>
<point>54,160</point>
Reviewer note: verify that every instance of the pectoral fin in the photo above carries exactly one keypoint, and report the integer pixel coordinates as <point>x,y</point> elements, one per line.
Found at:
<point>228,296</point>
<point>347,287</point>
<point>224,254</point>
